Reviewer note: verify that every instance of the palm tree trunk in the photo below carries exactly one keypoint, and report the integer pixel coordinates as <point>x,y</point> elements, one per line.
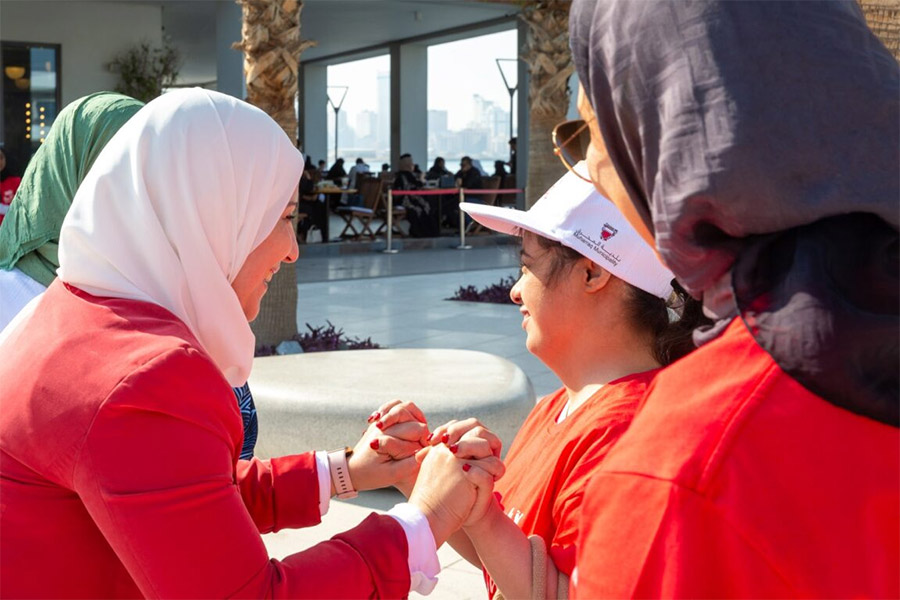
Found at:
<point>270,40</point>
<point>883,17</point>
<point>547,53</point>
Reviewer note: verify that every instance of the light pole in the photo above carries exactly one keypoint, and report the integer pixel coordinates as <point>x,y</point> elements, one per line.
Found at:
<point>337,108</point>
<point>511,90</point>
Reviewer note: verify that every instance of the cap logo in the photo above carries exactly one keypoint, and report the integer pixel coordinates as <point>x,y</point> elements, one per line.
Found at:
<point>608,231</point>
<point>597,245</point>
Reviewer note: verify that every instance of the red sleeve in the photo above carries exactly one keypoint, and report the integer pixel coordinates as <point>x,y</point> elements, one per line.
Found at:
<point>675,545</point>
<point>567,505</point>
<point>156,472</point>
<point>280,493</point>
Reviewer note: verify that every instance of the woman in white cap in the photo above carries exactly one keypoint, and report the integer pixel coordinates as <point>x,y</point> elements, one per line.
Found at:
<point>119,436</point>
<point>599,310</point>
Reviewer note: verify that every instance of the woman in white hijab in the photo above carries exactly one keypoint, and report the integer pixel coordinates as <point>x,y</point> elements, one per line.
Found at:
<point>119,438</point>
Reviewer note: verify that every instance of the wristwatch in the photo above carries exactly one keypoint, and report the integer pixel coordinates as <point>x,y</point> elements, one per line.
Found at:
<point>340,473</point>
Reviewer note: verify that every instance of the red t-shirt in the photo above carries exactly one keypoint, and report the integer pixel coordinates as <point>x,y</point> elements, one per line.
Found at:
<point>734,481</point>
<point>549,463</point>
<point>8,189</point>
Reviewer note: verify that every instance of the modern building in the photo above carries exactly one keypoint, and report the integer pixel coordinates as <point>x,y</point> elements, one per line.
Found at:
<point>55,51</point>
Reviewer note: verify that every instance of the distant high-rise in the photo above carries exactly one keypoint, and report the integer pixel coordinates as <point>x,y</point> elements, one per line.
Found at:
<point>437,122</point>
<point>366,124</point>
<point>383,129</point>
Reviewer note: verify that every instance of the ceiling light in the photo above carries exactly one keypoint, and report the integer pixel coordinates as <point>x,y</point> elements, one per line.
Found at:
<point>14,72</point>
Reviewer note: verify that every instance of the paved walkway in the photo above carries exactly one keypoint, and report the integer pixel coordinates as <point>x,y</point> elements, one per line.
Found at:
<point>399,301</point>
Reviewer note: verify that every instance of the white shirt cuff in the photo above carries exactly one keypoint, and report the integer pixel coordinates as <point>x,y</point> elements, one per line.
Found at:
<point>423,561</point>
<point>324,475</point>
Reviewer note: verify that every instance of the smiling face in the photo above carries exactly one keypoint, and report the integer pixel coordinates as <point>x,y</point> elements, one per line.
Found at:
<point>548,299</point>
<point>252,281</point>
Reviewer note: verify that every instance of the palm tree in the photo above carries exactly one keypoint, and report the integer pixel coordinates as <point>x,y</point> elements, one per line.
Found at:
<point>883,17</point>
<point>547,53</point>
<point>270,40</point>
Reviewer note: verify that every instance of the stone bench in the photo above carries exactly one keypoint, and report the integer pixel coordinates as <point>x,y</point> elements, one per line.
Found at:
<point>320,401</point>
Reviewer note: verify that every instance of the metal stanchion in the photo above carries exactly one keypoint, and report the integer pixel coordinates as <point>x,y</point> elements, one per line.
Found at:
<point>390,223</point>
<point>462,225</point>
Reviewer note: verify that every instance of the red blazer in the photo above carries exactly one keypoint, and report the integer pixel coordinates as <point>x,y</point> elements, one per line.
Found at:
<point>119,472</point>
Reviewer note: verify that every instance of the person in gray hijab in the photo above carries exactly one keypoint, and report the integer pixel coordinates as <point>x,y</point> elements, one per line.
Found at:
<point>758,144</point>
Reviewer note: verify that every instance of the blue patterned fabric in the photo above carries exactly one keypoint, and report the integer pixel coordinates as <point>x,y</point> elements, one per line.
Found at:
<point>248,415</point>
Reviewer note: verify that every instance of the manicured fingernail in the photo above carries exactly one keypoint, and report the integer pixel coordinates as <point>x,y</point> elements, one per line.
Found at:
<point>374,444</point>
<point>374,416</point>
<point>454,448</point>
<point>430,435</point>
<point>445,438</point>
<point>466,467</point>
<point>379,424</point>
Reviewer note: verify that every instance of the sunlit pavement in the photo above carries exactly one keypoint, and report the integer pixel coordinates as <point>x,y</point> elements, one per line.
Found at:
<point>408,309</point>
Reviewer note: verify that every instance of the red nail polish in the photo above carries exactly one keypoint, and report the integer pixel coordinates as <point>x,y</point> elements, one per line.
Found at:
<point>374,416</point>
<point>430,435</point>
<point>445,438</point>
<point>374,444</point>
<point>379,424</point>
<point>466,467</point>
<point>454,448</point>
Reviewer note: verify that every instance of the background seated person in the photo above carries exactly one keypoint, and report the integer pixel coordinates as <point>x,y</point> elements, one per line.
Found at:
<point>438,169</point>
<point>468,177</point>
<point>355,170</point>
<point>355,199</point>
<point>336,172</point>
<point>309,204</point>
<point>422,218</point>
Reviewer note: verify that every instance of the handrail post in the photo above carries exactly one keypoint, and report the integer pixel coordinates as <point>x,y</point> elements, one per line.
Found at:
<point>390,222</point>
<point>462,223</point>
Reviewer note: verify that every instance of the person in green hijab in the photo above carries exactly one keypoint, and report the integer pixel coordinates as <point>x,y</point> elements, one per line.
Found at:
<point>29,235</point>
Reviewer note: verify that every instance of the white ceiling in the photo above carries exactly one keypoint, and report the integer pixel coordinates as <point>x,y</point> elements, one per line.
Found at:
<point>338,26</point>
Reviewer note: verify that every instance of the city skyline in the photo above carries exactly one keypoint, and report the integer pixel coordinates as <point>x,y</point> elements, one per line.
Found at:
<point>467,102</point>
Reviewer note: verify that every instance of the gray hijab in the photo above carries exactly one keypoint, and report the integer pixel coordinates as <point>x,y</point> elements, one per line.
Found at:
<point>760,141</point>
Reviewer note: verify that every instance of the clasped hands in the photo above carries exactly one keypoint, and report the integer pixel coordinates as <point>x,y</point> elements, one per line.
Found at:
<point>448,473</point>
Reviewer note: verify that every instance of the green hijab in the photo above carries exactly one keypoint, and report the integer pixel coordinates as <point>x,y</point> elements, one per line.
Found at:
<point>29,236</point>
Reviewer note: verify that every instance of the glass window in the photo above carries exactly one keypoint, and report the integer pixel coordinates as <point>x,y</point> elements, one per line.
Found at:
<point>468,100</point>
<point>364,118</point>
<point>31,98</point>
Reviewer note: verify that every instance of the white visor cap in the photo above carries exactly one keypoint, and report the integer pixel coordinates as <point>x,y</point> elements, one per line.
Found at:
<point>575,214</point>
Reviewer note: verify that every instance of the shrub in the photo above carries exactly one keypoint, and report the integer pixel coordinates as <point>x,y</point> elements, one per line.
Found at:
<point>497,293</point>
<point>322,339</point>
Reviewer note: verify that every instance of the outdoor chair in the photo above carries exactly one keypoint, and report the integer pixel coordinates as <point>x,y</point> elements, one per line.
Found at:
<point>487,183</point>
<point>399,212</point>
<point>508,183</point>
<point>358,219</point>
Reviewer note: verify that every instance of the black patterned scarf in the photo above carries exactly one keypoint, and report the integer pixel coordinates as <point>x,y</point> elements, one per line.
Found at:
<point>760,141</point>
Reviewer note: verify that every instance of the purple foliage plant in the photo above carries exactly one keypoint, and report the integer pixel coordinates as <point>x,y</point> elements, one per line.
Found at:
<point>323,339</point>
<point>496,293</point>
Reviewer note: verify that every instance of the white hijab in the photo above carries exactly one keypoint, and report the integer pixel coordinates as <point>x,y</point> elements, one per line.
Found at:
<point>173,206</point>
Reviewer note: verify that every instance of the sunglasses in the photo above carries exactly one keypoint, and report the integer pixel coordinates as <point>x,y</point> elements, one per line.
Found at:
<point>570,143</point>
